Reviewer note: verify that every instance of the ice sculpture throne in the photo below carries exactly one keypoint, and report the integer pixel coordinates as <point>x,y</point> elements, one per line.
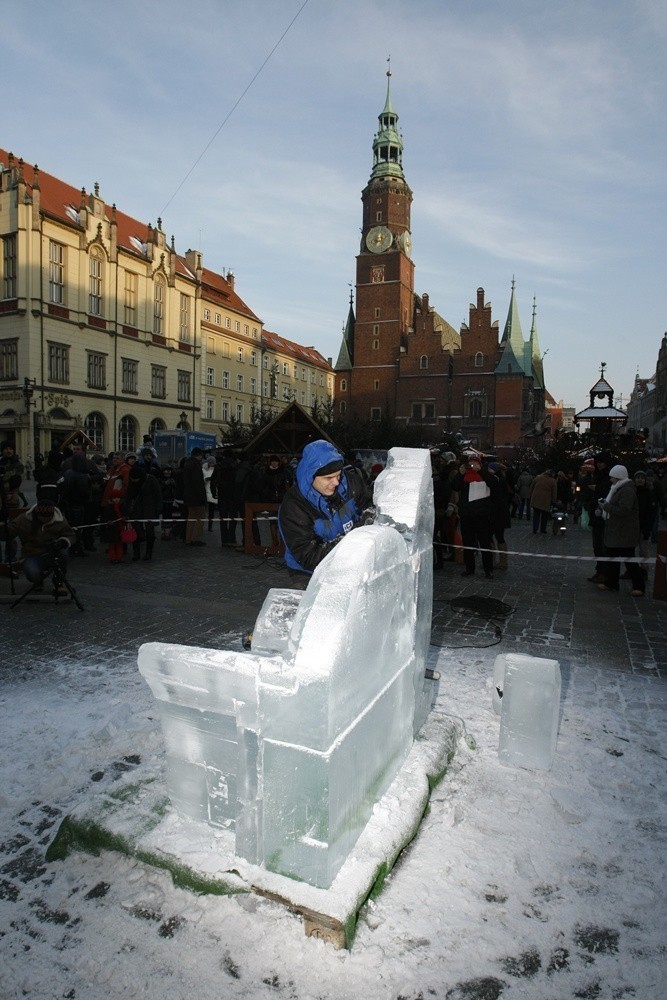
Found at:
<point>291,744</point>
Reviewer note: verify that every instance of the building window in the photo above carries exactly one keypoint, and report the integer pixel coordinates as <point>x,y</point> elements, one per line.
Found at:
<point>130,375</point>
<point>475,409</point>
<point>253,386</point>
<point>183,387</point>
<point>184,318</point>
<point>239,412</point>
<point>376,329</point>
<point>343,385</point>
<point>127,434</point>
<point>376,413</point>
<point>59,363</point>
<point>237,326</point>
<point>156,424</point>
<point>286,391</point>
<point>343,406</point>
<point>240,354</point>
<point>228,323</point>
<point>255,332</point>
<point>95,281</point>
<point>131,285</point>
<point>423,412</point>
<point>9,267</point>
<point>57,257</point>
<point>246,329</point>
<point>239,383</point>
<point>225,380</point>
<point>9,360</point>
<point>303,374</point>
<point>224,410</point>
<point>210,376</point>
<point>210,408</point>
<point>158,382</point>
<point>285,368</point>
<point>376,384</point>
<point>377,312</point>
<point>207,314</point>
<point>423,361</point>
<point>158,306</point>
<point>479,360</point>
<point>253,357</point>
<point>218,319</point>
<point>93,425</point>
<point>97,370</point>
<point>378,216</point>
<point>376,345</point>
<point>303,398</point>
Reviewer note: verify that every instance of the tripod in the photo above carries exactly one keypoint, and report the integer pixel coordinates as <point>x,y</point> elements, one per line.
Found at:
<point>59,572</point>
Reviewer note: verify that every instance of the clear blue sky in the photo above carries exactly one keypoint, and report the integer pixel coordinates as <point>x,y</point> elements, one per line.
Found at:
<point>535,145</point>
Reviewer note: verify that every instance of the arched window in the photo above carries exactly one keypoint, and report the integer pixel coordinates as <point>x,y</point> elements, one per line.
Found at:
<point>157,424</point>
<point>93,425</point>
<point>423,361</point>
<point>479,360</point>
<point>343,385</point>
<point>95,281</point>
<point>159,295</point>
<point>343,406</point>
<point>127,434</point>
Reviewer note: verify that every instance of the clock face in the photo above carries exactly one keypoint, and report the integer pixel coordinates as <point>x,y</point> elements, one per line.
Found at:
<point>406,244</point>
<point>379,239</point>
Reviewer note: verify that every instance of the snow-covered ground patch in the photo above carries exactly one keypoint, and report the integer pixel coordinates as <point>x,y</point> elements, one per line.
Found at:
<point>519,884</point>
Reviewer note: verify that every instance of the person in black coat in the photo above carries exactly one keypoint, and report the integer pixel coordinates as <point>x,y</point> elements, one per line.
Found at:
<point>143,505</point>
<point>597,490</point>
<point>194,497</point>
<point>473,485</point>
<point>222,488</point>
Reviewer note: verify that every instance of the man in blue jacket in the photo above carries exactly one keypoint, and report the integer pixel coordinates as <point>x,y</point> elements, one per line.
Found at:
<point>324,505</point>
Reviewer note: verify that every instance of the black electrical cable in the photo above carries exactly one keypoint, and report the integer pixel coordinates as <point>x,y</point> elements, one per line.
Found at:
<point>489,608</point>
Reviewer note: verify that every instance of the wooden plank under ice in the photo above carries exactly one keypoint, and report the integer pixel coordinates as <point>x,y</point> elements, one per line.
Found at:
<point>318,925</point>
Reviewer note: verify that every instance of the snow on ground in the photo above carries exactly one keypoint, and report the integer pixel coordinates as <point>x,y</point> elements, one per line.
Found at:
<point>520,884</point>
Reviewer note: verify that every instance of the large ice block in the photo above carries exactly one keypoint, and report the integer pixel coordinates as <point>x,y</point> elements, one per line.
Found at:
<point>291,744</point>
<point>530,707</point>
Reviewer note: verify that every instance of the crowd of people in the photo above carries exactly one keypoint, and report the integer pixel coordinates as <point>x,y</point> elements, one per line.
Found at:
<point>476,501</point>
<point>125,500</point>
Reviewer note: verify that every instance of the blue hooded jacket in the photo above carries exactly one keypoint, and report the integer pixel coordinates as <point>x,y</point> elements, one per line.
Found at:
<point>310,523</point>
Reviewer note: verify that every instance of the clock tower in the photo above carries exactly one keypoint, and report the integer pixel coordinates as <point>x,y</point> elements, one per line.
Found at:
<point>385,273</point>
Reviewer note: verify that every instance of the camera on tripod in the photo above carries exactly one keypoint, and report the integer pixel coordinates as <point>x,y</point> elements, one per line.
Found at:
<point>52,561</point>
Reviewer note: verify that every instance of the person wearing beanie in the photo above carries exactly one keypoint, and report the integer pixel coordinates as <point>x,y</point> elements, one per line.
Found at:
<point>619,511</point>
<point>324,504</point>
<point>40,529</point>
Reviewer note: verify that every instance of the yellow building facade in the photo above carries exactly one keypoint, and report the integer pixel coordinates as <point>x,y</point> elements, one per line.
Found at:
<point>104,327</point>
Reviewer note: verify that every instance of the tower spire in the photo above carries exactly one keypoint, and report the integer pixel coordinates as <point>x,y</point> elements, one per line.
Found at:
<point>387,143</point>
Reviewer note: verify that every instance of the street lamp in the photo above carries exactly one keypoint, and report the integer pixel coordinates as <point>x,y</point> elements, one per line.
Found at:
<point>28,391</point>
<point>183,422</point>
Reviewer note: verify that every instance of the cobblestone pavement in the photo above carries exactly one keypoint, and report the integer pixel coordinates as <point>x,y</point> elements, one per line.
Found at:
<point>198,596</point>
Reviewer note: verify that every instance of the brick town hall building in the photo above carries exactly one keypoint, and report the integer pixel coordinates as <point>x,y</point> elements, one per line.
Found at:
<point>400,359</point>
